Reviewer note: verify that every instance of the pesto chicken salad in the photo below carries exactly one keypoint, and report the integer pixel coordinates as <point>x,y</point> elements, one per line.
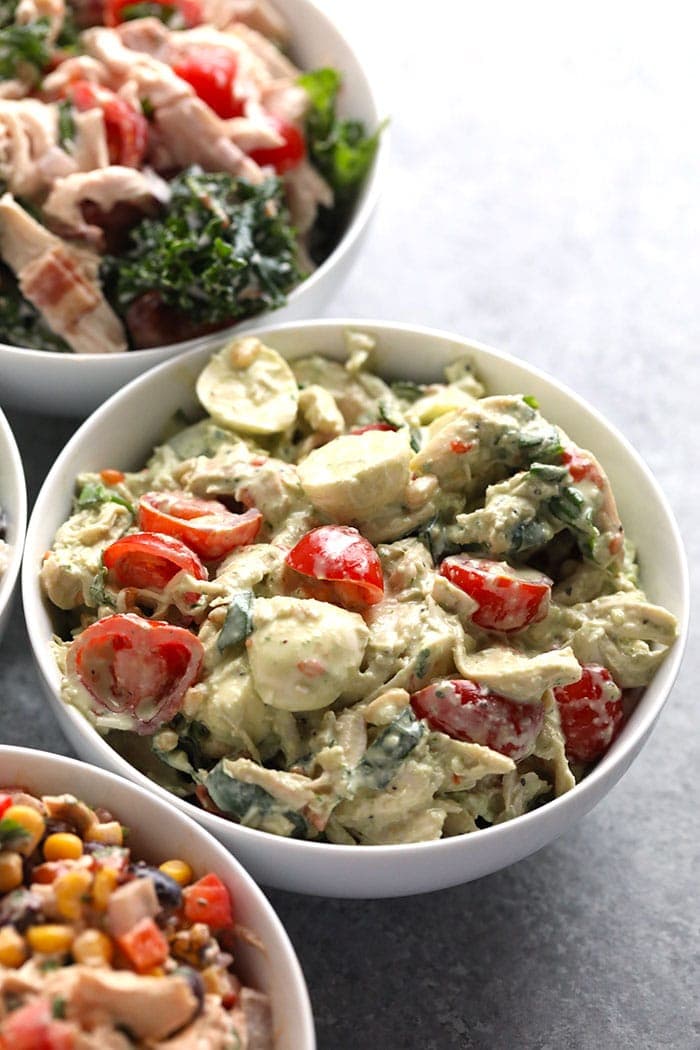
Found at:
<point>354,611</point>
<point>165,169</point>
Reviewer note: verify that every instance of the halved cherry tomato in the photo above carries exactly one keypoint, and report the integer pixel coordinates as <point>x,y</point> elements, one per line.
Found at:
<point>205,525</point>
<point>141,668</point>
<point>209,901</point>
<point>188,12</point>
<point>144,945</point>
<point>508,600</point>
<point>211,71</point>
<point>341,556</point>
<point>32,1027</point>
<point>150,560</point>
<point>285,156</point>
<point>125,128</point>
<point>591,713</point>
<point>467,711</point>
<point>5,803</point>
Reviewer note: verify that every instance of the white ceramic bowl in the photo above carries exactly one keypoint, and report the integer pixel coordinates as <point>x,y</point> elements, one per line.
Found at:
<point>74,384</point>
<point>158,832</point>
<point>13,501</point>
<point>109,438</point>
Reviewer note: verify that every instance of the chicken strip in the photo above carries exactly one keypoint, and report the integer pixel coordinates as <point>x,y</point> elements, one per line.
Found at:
<point>105,187</point>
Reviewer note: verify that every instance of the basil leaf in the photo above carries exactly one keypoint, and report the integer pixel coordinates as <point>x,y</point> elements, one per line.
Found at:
<point>239,621</point>
<point>385,754</point>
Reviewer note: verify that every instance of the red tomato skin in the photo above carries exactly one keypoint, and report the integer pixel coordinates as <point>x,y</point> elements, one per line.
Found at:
<point>209,901</point>
<point>144,945</point>
<point>205,526</point>
<point>123,659</point>
<point>190,10</point>
<point>150,560</point>
<point>286,156</point>
<point>125,128</point>
<point>467,711</point>
<point>32,1027</point>
<point>211,71</point>
<point>591,713</point>
<point>5,803</point>
<point>341,555</point>
<point>506,602</point>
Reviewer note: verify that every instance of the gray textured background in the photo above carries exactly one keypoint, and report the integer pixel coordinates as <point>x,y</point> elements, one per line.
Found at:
<point>544,196</point>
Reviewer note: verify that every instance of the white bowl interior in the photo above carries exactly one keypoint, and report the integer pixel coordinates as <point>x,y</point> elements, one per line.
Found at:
<point>110,439</point>
<point>13,501</point>
<point>157,832</point>
<point>75,384</point>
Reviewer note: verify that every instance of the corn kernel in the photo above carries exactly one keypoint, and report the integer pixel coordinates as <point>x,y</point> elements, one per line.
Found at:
<point>50,938</point>
<point>31,822</point>
<point>103,886</point>
<point>71,891</point>
<point>63,846</point>
<point>13,950</point>
<point>93,948</point>
<point>10,870</point>
<point>178,870</point>
<point>109,834</point>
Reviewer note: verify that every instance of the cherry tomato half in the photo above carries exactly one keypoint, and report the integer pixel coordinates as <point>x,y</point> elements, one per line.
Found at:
<point>285,156</point>
<point>211,71</point>
<point>186,13</point>
<point>591,713</point>
<point>204,525</point>
<point>342,556</point>
<point>467,711</point>
<point>138,667</point>
<point>150,560</point>
<point>125,128</point>
<point>508,600</point>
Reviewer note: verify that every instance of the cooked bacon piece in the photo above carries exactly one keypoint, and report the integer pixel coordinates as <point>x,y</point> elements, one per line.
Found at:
<point>104,187</point>
<point>60,281</point>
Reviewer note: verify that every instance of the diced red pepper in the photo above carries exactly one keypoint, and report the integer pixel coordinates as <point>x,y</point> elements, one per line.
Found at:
<point>209,901</point>
<point>5,803</point>
<point>144,945</point>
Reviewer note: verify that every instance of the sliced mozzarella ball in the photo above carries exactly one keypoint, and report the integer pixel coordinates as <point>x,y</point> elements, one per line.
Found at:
<point>303,653</point>
<point>249,387</point>
<point>355,476</point>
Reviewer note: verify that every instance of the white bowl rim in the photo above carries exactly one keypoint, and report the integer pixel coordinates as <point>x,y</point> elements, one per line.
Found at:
<point>224,857</point>
<point>15,509</point>
<point>364,207</point>
<point>617,758</point>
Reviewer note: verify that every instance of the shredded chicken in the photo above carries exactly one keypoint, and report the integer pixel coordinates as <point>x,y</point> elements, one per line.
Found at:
<point>306,189</point>
<point>104,187</point>
<point>258,14</point>
<point>60,281</point>
<point>29,154</point>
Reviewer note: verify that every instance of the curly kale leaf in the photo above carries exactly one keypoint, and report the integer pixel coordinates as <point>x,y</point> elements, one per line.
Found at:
<point>24,49</point>
<point>222,250</point>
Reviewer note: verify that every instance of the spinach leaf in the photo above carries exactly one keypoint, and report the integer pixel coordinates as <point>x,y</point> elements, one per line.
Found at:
<point>223,249</point>
<point>192,738</point>
<point>239,621</point>
<point>249,804</point>
<point>387,751</point>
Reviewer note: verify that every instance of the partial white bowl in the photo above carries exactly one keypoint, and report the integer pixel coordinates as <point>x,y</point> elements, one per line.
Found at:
<point>110,438</point>
<point>158,832</point>
<point>75,384</point>
<point>13,501</point>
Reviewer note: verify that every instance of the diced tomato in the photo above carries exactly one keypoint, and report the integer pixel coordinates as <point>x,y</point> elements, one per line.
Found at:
<point>209,901</point>
<point>581,466</point>
<point>372,426</point>
<point>150,560</point>
<point>138,667</point>
<point>126,129</point>
<point>211,71</point>
<point>591,713</point>
<point>508,600</point>
<point>5,803</point>
<point>144,945</point>
<point>204,525</point>
<point>467,711</point>
<point>341,556</point>
<point>32,1027</point>
<point>286,156</point>
<point>178,14</point>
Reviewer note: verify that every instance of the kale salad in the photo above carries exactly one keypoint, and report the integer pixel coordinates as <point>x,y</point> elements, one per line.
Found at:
<point>352,611</point>
<point>166,169</point>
